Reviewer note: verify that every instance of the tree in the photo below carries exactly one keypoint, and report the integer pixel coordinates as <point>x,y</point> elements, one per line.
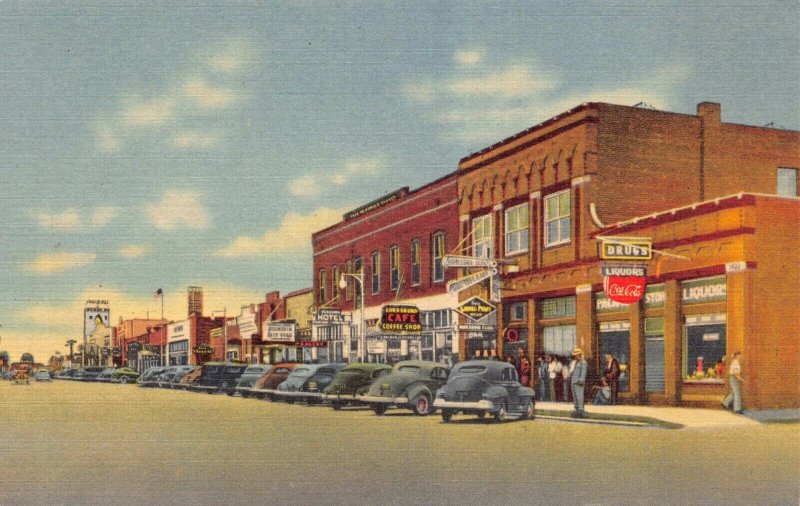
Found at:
<point>27,357</point>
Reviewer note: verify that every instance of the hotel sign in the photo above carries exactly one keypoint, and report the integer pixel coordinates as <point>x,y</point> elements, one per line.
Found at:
<point>625,248</point>
<point>330,316</point>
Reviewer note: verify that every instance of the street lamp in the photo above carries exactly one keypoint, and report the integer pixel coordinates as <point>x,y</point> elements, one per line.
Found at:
<point>224,332</point>
<point>359,276</point>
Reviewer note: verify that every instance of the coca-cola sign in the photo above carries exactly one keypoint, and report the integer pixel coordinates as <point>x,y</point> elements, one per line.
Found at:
<point>624,289</point>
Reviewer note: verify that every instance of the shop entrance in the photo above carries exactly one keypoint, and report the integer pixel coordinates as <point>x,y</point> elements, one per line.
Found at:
<point>615,338</point>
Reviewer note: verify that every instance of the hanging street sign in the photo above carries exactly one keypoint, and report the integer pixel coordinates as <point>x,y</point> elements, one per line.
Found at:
<point>625,248</point>
<point>623,270</point>
<point>459,284</point>
<point>476,308</point>
<point>494,288</point>
<point>624,289</point>
<point>463,261</point>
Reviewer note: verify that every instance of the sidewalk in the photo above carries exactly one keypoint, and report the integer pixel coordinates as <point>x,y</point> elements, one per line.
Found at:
<point>664,416</point>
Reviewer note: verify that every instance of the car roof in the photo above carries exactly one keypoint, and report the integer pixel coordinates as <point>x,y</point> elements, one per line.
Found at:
<point>422,364</point>
<point>365,366</point>
<point>490,365</point>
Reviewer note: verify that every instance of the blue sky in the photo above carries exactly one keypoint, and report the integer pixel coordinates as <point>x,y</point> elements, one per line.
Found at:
<point>173,144</point>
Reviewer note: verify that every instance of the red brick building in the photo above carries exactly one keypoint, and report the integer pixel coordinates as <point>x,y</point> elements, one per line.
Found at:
<point>540,200</point>
<point>392,246</point>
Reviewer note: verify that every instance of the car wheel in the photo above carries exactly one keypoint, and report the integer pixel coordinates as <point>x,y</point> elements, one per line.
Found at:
<point>502,413</point>
<point>481,415</point>
<point>447,416</point>
<point>124,380</point>
<point>422,405</point>
<point>336,405</point>
<point>379,409</point>
<point>530,412</point>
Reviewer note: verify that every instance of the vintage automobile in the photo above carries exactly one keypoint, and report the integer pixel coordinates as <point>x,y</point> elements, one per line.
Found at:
<point>124,375</point>
<point>484,387</point>
<point>218,377</point>
<point>272,379</point>
<point>66,374</point>
<point>177,375</point>
<point>411,384</point>
<point>149,377</point>
<point>42,375</point>
<point>189,378</point>
<point>105,375</point>
<point>289,389</point>
<point>311,390</point>
<point>248,379</point>
<point>352,381</point>
<point>90,373</point>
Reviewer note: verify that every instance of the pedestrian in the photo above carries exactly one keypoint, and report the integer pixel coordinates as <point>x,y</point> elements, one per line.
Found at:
<point>544,377</point>
<point>602,393</point>
<point>525,371</point>
<point>735,380</point>
<point>510,360</point>
<point>554,372</point>
<point>578,381</point>
<point>611,373</point>
<point>565,375</point>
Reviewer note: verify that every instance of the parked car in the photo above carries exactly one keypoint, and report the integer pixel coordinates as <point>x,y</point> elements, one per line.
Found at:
<point>166,375</point>
<point>180,372</point>
<point>105,375</point>
<point>124,375</point>
<point>312,389</point>
<point>484,387</point>
<point>67,374</point>
<point>189,378</point>
<point>42,375</point>
<point>218,377</point>
<point>149,377</point>
<point>412,384</point>
<point>289,389</point>
<point>249,378</point>
<point>351,381</point>
<point>90,373</point>
<point>272,379</point>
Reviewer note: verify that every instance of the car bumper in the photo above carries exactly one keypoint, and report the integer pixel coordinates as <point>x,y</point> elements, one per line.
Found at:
<point>291,394</point>
<point>389,401</point>
<point>483,405</point>
<point>340,397</point>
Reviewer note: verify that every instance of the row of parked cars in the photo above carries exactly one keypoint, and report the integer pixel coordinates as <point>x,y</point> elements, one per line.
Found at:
<point>100,374</point>
<point>476,387</point>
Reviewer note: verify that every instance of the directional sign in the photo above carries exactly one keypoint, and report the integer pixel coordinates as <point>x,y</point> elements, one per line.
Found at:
<point>462,261</point>
<point>494,288</point>
<point>459,284</point>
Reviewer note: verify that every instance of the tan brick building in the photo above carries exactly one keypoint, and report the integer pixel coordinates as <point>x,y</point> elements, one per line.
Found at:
<point>539,200</point>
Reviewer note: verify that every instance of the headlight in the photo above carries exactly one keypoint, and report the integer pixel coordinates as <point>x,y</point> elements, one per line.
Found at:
<point>385,386</point>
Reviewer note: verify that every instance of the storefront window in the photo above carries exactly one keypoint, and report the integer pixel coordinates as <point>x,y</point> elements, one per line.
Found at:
<point>704,344</point>
<point>615,339</point>
<point>559,340</point>
<point>561,307</point>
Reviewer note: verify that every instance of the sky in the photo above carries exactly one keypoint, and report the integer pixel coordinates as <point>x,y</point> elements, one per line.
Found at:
<point>148,145</point>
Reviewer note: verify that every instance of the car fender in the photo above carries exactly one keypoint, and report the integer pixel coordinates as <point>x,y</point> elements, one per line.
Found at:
<point>495,394</point>
<point>417,388</point>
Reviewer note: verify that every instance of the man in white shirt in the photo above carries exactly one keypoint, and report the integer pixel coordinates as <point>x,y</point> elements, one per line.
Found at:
<point>554,370</point>
<point>735,380</point>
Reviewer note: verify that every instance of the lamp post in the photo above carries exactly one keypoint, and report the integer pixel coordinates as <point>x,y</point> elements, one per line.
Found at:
<point>362,338</point>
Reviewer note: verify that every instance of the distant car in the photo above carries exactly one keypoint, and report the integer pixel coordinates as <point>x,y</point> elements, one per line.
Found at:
<point>218,377</point>
<point>42,376</point>
<point>249,377</point>
<point>272,379</point>
<point>66,374</point>
<point>289,389</point>
<point>311,391</point>
<point>149,378</point>
<point>411,384</point>
<point>180,372</point>
<point>230,377</point>
<point>165,377</point>
<point>351,381</point>
<point>482,387</point>
<point>124,375</point>
<point>90,373</point>
<point>188,379</point>
<point>105,375</point>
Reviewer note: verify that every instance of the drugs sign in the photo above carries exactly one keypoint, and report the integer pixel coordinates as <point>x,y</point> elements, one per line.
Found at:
<point>625,248</point>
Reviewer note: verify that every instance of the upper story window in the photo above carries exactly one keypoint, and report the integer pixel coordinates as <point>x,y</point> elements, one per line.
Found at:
<point>437,251</point>
<point>394,267</point>
<point>323,282</point>
<point>557,221</point>
<point>358,266</point>
<point>335,277</point>
<point>559,307</point>
<point>787,182</point>
<point>376,272</point>
<point>516,221</point>
<point>348,291</point>
<point>416,273</point>
<point>482,236</point>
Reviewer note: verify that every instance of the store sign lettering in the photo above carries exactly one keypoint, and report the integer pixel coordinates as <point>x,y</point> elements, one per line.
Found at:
<point>625,248</point>
<point>476,308</point>
<point>329,316</point>
<point>400,319</point>
<point>655,296</point>
<point>624,289</point>
<point>704,290</point>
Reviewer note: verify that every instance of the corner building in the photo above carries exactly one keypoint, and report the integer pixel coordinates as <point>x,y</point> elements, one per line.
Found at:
<point>719,200</point>
<point>394,246</point>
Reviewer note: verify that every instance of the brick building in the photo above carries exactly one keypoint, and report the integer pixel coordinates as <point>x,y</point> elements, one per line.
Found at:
<point>127,330</point>
<point>393,249</point>
<point>189,341</point>
<point>539,201</point>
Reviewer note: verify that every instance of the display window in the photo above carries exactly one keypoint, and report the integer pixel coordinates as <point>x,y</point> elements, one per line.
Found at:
<point>615,339</point>
<point>559,340</point>
<point>654,355</point>
<point>704,345</point>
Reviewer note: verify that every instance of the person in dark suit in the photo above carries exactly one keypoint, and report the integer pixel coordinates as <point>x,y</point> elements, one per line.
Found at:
<point>611,374</point>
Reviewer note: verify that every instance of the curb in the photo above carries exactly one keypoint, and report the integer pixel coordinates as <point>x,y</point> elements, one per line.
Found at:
<point>620,420</point>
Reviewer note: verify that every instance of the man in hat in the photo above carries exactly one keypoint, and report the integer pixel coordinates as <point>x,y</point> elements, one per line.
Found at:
<point>578,381</point>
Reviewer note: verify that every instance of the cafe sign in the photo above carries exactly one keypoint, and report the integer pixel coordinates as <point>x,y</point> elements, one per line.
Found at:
<point>400,318</point>
<point>476,308</point>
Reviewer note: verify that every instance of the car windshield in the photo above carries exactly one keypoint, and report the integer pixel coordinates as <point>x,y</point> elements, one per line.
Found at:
<point>326,371</point>
<point>408,368</point>
<point>301,371</point>
<point>281,370</point>
<point>254,370</point>
<point>353,372</point>
<point>472,369</point>
<point>233,369</point>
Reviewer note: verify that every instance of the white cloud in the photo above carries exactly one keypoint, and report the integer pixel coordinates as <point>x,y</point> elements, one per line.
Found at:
<point>134,250</point>
<point>194,139</point>
<point>304,186</point>
<point>68,220</point>
<point>235,56</point>
<point>292,236</point>
<point>513,81</point>
<point>50,263</point>
<point>207,96</point>
<point>102,216</point>
<point>354,168</point>
<point>148,113</point>
<point>178,210</point>
<point>467,57</point>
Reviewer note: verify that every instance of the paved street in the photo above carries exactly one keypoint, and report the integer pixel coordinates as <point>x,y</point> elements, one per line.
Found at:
<point>76,443</point>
